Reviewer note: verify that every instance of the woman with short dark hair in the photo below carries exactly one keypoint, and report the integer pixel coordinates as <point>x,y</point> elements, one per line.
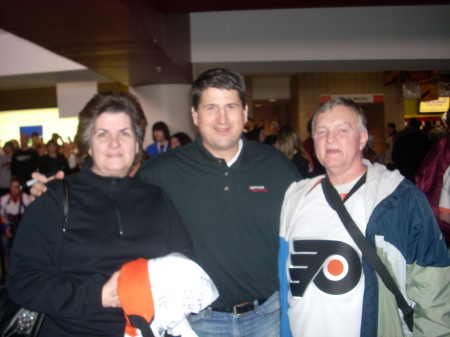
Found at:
<point>71,273</point>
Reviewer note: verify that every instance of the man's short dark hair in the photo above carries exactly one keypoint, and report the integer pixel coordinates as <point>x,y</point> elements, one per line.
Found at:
<point>219,78</point>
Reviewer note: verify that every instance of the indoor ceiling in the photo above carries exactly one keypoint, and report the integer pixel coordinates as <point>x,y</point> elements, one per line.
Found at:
<point>133,42</point>
<point>231,5</point>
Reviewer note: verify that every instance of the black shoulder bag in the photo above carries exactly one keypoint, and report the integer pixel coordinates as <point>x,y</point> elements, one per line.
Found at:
<point>16,321</point>
<point>334,200</point>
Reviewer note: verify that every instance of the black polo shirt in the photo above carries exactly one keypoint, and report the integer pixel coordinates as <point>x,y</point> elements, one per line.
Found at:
<point>232,214</point>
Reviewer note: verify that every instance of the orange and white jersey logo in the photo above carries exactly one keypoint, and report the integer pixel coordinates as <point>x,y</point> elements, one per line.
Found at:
<point>334,267</point>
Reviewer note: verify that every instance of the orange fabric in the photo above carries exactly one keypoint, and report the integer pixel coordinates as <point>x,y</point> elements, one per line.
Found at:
<point>135,292</point>
<point>444,210</point>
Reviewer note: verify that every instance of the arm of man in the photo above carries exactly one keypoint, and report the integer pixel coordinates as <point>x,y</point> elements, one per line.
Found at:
<point>444,200</point>
<point>428,277</point>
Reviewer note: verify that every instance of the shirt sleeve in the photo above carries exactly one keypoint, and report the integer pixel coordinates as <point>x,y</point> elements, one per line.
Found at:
<point>179,241</point>
<point>444,200</point>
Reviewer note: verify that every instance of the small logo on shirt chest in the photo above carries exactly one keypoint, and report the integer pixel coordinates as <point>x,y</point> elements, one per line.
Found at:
<point>258,188</point>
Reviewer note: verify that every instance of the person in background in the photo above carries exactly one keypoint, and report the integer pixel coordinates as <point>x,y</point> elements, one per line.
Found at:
<point>69,150</point>
<point>428,126</point>
<point>71,275</point>
<point>392,133</point>
<point>438,132</point>
<point>53,161</point>
<point>36,141</point>
<point>369,152</point>
<point>178,139</point>
<point>57,138</point>
<point>444,203</point>
<point>5,168</point>
<point>12,207</point>
<point>328,287</point>
<point>15,144</point>
<point>41,149</point>
<point>289,143</point>
<point>308,146</point>
<point>25,160</point>
<point>272,137</point>
<point>161,138</point>
<point>254,130</point>
<point>430,177</point>
<point>410,149</point>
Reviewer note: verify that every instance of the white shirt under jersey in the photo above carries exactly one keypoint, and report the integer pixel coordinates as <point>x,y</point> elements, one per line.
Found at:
<point>335,288</point>
<point>444,201</point>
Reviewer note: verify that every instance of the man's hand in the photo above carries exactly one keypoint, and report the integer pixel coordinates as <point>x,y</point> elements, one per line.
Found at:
<point>110,298</point>
<point>38,188</point>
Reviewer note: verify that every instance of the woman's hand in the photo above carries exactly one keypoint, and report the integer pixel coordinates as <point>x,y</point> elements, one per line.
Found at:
<point>9,232</point>
<point>38,188</point>
<point>110,298</point>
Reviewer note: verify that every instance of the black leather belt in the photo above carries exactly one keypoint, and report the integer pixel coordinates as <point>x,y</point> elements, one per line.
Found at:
<point>240,309</point>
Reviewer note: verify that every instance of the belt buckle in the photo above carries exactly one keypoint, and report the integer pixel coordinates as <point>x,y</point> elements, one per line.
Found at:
<point>242,305</point>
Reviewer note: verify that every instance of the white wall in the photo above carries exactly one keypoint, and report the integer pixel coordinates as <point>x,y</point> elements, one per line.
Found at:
<point>11,121</point>
<point>271,88</point>
<point>167,103</point>
<point>314,34</point>
<point>73,96</point>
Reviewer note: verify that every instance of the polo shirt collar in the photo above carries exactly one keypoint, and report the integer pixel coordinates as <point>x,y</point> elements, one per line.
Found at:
<point>210,157</point>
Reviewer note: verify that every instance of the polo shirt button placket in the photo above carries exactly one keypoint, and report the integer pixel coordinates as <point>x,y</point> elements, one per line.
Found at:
<point>226,190</point>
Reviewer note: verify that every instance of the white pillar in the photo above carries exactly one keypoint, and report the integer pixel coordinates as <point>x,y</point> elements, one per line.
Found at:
<point>73,96</point>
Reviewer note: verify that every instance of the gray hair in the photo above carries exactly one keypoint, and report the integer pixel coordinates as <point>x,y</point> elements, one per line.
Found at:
<point>356,108</point>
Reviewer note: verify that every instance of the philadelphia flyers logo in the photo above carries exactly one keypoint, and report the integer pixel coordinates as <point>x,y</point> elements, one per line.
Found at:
<point>333,266</point>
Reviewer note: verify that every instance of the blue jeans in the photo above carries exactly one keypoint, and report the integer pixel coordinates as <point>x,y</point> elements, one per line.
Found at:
<point>263,321</point>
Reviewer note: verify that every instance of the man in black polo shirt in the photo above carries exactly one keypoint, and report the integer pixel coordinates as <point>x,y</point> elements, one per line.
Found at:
<point>228,192</point>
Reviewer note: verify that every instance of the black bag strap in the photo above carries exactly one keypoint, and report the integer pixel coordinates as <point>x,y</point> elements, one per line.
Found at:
<point>334,200</point>
<point>65,202</point>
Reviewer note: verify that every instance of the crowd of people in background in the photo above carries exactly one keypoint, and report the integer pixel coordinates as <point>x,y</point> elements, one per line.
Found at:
<point>405,150</point>
<point>419,152</point>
